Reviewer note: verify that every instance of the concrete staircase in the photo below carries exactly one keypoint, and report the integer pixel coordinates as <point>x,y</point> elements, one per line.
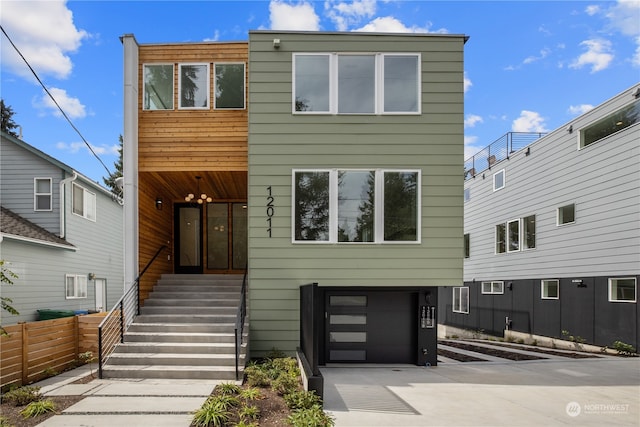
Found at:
<point>185,331</point>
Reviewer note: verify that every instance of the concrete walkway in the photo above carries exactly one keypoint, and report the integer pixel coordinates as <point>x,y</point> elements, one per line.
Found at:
<point>130,402</point>
<point>552,392</point>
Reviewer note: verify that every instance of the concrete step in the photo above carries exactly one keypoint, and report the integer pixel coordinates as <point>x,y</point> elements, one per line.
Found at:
<point>177,348</point>
<point>181,318</point>
<point>171,372</point>
<point>182,327</point>
<point>186,289</point>
<point>174,359</point>
<point>188,311</point>
<point>191,301</point>
<point>183,337</point>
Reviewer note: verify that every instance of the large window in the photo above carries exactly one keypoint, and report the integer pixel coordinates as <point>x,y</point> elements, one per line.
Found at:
<point>529,232</point>
<point>229,86</point>
<point>567,214</point>
<point>75,286</point>
<point>623,289</point>
<point>611,124</point>
<point>513,228</point>
<point>157,87</point>
<point>550,289</point>
<point>358,206</point>
<point>493,287</point>
<point>194,86</point>
<point>84,203</point>
<point>356,83</point>
<point>461,299</point>
<point>42,194</point>
<point>501,238</point>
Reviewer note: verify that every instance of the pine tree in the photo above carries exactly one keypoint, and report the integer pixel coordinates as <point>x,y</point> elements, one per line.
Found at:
<point>8,125</point>
<point>110,181</point>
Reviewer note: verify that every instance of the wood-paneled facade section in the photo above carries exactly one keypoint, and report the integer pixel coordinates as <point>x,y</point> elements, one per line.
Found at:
<point>175,146</point>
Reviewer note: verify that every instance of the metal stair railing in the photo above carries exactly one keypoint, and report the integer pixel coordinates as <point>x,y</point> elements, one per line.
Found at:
<point>113,327</point>
<point>240,318</point>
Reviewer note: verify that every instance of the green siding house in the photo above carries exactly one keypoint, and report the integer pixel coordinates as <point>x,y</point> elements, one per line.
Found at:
<point>355,160</point>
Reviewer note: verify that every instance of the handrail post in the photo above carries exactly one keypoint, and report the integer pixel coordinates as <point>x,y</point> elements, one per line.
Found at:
<point>122,321</point>
<point>100,352</point>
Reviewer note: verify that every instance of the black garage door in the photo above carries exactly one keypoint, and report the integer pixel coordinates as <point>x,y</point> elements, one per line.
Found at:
<point>371,327</point>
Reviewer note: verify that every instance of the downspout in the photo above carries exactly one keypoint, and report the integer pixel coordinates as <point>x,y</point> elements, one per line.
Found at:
<point>63,209</point>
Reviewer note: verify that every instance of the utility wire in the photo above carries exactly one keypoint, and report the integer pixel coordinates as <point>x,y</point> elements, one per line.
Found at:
<point>55,102</point>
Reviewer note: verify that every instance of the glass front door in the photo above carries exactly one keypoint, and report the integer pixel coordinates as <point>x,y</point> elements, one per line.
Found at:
<point>188,239</point>
<point>226,236</point>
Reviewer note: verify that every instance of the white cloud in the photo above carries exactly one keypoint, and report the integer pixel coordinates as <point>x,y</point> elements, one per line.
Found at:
<point>74,147</point>
<point>45,34</point>
<point>471,120</point>
<point>580,109</point>
<point>70,105</point>
<point>467,82</point>
<point>389,24</point>
<point>215,38</point>
<point>345,14</point>
<point>635,59</point>
<point>543,54</point>
<point>624,17</point>
<point>592,10</point>
<point>470,147</point>
<point>598,55</point>
<point>300,16</point>
<point>529,121</point>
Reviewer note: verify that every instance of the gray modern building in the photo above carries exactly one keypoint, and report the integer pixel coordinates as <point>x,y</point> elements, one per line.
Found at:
<point>552,232</point>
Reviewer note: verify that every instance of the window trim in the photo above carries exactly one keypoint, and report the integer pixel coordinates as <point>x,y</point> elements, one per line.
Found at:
<point>208,80</point>
<point>378,206</point>
<point>504,180</point>
<point>379,83</point>
<point>504,238</point>
<point>492,291</point>
<point>36,194</point>
<point>609,288</point>
<point>508,236</point>
<point>558,223</point>
<point>173,86</point>
<point>80,283</point>
<point>85,202</point>
<point>244,86</point>
<point>543,282</point>
<point>523,231</point>
<point>460,290</point>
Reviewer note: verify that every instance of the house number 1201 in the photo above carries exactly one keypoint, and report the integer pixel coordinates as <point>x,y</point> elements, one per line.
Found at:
<point>270,210</point>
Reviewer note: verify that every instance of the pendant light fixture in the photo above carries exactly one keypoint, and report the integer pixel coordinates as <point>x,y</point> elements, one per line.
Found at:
<point>201,197</point>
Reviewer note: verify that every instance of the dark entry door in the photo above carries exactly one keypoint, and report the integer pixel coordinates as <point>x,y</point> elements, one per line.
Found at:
<point>188,239</point>
<point>371,327</point>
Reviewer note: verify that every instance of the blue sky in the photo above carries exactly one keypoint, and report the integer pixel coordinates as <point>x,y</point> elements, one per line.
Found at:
<point>529,66</point>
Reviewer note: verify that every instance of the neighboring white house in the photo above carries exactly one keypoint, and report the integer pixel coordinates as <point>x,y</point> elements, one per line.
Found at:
<point>552,232</point>
<point>60,233</point>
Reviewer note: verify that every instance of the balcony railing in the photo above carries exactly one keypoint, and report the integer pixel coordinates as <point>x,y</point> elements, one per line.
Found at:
<point>497,151</point>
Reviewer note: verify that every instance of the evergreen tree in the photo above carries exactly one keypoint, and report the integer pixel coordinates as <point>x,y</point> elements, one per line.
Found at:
<point>8,125</point>
<point>110,181</point>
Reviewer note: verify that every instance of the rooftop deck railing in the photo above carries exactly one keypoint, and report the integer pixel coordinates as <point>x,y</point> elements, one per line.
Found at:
<point>497,151</point>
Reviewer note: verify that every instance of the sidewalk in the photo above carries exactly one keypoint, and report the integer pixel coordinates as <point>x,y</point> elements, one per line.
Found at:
<point>126,402</point>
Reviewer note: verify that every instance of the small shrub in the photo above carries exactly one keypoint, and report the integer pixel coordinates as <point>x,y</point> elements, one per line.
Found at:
<point>256,377</point>
<point>243,423</point>
<point>22,396</point>
<point>285,383</point>
<point>274,353</point>
<point>624,348</point>
<point>534,343</point>
<point>211,414</point>
<point>313,416</point>
<point>226,401</point>
<point>38,407</point>
<point>301,399</point>
<point>50,372</point>
<point>249,412</point>
<point>251,393</point>
<point>4,422</point>
<point>228,389</point>
<point>520,341</point>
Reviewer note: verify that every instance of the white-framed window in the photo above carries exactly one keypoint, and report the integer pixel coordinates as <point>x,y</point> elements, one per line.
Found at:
<point>75,286</point>
<point>356,206</point>
<point>550,289</point>
<point>356,83</point>
<point>84,202</point>
<point>496,287</point>
<point>193,86</point>
<point>566,214</point>
<point>499,180</point>
<point>461,299</point>
<point>623,289</point>
<point>501,238</point>
<point>467,245</point>
<point>467,194</point>
<point>157,86</point>
<point>229,84</point>
<point>513,235</point>
<point>529,232</point>
<point>42,194</point>
<point>615,122</point>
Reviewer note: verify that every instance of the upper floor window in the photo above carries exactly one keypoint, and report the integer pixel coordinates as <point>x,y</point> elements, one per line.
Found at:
<point>84,203</point>
<point>467,194</point>
<point>501,238</point>
<point>467,246</point>
<point>529,232</point>
<point>498,180</point>
<point>229,86</point>
<point>75,286</point>
<point>493,287</point>
<point>157,87</point>
<point>622,289</point>
<point>621,119</point>
<point>360,206</point>
<point>42,194</point>
<point>567,214</point>
<point>193,86</point>
<point>513,228</point>
<point>356,83</point>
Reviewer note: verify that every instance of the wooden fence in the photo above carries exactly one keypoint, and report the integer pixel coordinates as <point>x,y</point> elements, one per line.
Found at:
<point>36,350</point>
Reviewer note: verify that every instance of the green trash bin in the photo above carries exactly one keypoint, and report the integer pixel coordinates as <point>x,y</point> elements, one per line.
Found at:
<point>48,314</point>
